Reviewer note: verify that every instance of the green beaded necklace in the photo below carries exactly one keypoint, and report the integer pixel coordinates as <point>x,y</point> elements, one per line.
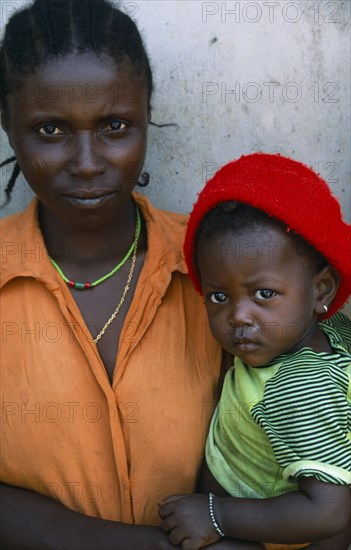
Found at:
<point>84,286</point>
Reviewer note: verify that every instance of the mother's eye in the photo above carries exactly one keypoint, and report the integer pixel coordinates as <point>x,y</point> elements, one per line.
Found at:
<point>49,130</point>
<point>114,125</point>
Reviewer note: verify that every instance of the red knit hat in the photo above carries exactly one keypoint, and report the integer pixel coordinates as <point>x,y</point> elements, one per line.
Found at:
<point>289,191</point>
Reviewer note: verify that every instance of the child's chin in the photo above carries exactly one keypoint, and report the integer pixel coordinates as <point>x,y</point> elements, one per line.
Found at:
<point>253,359</point>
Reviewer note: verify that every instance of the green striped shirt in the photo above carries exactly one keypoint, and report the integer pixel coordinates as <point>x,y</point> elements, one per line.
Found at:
<point>291,418</point>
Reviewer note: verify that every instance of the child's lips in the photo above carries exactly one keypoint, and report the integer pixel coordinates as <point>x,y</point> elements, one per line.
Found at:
<point>245,344</point>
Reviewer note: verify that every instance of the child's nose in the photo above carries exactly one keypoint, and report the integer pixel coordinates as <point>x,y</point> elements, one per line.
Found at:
<point>241,313</point>
<point>86,159</point>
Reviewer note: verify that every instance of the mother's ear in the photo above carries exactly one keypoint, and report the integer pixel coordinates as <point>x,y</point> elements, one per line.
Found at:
<point>326,285</point>
<point>5,122</point>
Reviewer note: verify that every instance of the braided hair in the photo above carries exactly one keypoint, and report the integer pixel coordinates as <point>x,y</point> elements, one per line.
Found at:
<point>55,28</point>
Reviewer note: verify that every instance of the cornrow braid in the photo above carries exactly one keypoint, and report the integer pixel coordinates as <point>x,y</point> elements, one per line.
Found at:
<point>53,28</point>
<point>49,29</point>
<point>11,183</point>
<point>49,19</point>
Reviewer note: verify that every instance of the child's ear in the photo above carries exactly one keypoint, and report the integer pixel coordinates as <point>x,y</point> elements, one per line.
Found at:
<point>326,285</point>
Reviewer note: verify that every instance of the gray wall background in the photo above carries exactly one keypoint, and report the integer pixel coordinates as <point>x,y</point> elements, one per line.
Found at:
<point>237,77</point>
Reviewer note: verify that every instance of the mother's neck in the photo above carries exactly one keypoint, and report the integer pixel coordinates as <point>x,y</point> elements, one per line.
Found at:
<point>109,239</point>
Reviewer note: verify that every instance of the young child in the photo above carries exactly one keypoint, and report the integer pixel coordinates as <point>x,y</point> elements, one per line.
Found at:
<point>268,249</point>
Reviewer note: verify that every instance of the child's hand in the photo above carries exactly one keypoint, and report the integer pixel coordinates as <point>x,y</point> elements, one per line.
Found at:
<point>187,521</point>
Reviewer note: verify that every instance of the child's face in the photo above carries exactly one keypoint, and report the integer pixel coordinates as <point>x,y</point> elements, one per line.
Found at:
<point>79,127</point>
<point>259,292</point>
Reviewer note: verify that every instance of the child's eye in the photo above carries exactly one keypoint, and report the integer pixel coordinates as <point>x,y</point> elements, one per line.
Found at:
<point>115,125</point>
<point>218,297</point>
<point>264,294</point>
<point>50,130</point>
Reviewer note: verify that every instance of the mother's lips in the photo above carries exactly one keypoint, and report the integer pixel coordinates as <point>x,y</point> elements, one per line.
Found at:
<point>88,200</point>
<point>87,194</point>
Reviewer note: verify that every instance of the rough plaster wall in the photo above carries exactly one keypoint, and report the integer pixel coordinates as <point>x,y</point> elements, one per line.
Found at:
<point>235,86</point>
<point>236,77</point>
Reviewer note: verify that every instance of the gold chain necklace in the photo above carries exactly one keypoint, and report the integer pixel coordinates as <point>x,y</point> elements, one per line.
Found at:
<point>126,288</point>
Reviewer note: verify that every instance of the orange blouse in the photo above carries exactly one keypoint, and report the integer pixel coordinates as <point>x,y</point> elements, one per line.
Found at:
<point>108,451</point>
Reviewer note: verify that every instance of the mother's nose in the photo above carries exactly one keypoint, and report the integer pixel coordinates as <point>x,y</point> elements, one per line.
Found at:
<point>86,161</point>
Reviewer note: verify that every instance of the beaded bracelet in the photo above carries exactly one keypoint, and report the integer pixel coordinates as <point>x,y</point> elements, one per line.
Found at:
<point>212,516</point>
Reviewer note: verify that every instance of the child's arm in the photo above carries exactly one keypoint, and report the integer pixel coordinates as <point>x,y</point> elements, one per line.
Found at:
<point>317,511</point>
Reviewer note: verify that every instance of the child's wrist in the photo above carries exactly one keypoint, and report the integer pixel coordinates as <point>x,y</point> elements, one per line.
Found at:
<point>215,514</point>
